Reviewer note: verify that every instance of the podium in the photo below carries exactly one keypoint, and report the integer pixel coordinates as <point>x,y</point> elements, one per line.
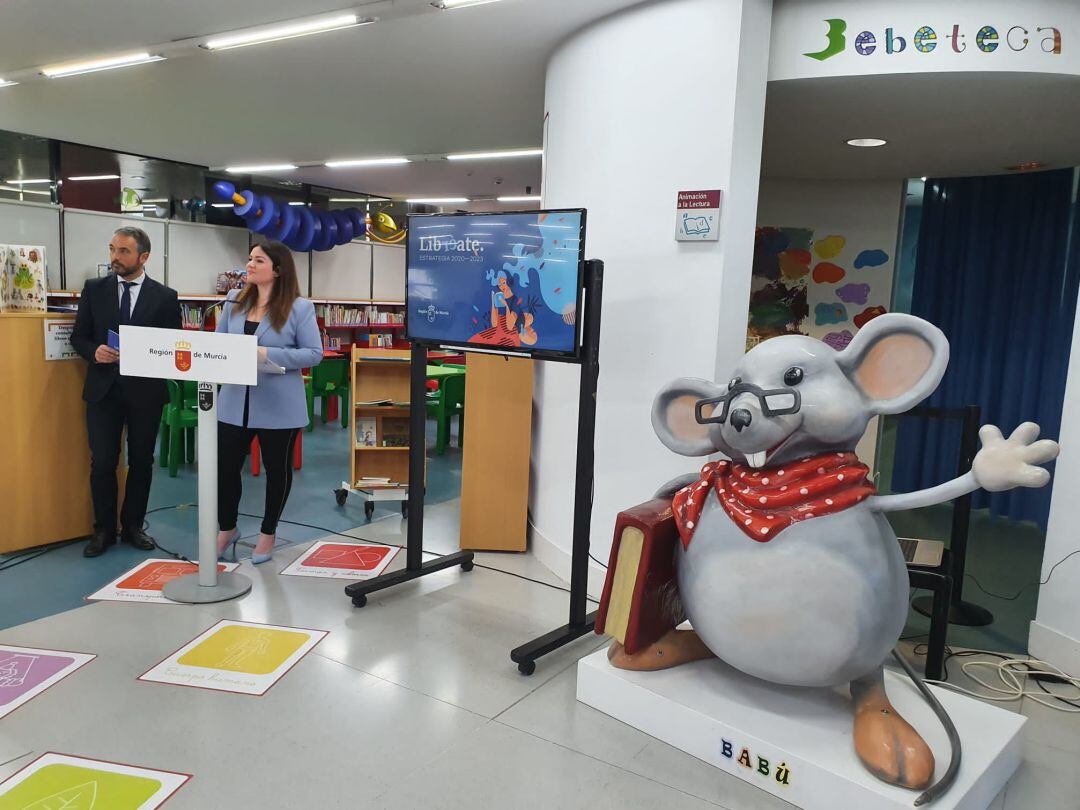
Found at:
<point>208,358</point>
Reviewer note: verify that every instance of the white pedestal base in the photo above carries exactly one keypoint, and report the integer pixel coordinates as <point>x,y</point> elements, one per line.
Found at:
<point>696,707</point>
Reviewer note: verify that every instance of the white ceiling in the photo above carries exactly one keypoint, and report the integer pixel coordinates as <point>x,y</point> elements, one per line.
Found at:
<point>937,125</point>
<point>424,82</point>
<point>419,82</point>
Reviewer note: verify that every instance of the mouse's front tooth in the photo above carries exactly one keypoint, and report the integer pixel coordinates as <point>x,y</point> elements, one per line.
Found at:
<point>756,460</point>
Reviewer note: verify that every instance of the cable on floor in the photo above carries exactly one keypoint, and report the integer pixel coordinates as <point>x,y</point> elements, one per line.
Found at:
<point>1012,673</point>
<point>1016,595</point>
<point>395,545</point>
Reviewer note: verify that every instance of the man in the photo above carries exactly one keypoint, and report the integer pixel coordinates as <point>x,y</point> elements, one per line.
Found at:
<point>128,296</point>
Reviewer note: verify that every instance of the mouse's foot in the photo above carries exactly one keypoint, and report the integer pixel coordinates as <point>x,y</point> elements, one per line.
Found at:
<point>673,648</point>
<point>888,745</point>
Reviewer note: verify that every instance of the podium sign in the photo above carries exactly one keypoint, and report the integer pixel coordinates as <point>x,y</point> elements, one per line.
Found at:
<point>174,354</point>
<point>208,358</point>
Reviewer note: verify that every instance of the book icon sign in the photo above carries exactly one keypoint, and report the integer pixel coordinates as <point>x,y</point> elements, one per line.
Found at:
<point>695,226</point>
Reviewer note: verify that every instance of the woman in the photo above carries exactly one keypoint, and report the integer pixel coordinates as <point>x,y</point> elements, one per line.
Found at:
<point>269,307</point>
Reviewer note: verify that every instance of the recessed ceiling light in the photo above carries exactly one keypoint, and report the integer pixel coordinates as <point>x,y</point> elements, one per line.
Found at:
<point>289,31</point>
<point>513,153</point>
<point>1030,166</point>
<point>446,5</point>
<point>268,167</point>
<point>923,179</point>
<point>352,164</point>
<point>867,142</point>
<point>295,202</point>
<point>436,200</point>
<point>221,205</point>
<point>6,83</point>
<point>94,65</point>
<point>28,182</point>
<point>25,190</point>
<point>359,199</point>
<point>534,198</point>
<point>95,177</point>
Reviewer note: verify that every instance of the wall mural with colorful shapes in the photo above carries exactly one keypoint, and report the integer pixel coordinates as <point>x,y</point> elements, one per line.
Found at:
<point>821,285</point>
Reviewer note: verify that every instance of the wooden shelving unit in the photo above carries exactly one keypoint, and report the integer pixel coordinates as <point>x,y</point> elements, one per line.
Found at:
<point>381,450</point>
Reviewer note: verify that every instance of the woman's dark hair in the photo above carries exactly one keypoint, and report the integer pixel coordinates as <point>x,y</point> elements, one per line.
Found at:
<point>286,286</point>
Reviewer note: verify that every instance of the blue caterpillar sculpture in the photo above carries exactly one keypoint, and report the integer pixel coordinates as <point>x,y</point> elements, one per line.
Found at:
<point>302,228</point>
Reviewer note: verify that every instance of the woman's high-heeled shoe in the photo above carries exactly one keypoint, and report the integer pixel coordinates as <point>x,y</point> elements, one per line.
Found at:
<point>259,559</point>
<point>224,549</point>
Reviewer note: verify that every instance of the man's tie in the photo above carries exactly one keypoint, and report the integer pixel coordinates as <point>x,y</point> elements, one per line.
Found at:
<point>125,303</point>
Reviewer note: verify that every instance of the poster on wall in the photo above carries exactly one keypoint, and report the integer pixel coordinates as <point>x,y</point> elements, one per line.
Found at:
<point>818,284</point>
<point>23,287</point>
<point>503,282</point>
<point>58,339</point>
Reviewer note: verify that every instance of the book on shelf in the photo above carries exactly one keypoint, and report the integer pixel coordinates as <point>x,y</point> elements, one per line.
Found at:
<point>638,604</point>
<point>374,402</point>
<point>366,432</point>
<point>395,432</point>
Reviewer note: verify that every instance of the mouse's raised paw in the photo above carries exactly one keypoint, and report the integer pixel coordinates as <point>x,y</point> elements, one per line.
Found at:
<point>1004,464</point>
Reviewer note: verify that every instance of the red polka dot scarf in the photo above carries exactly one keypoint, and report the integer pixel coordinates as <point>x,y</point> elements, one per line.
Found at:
<point>766,501</point>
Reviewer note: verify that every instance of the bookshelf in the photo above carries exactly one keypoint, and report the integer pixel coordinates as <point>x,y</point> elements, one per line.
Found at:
<point>379,423</point>
<point>367,324</point>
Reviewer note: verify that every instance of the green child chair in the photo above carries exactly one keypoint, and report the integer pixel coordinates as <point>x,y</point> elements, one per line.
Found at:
<point>448,401</point>
<point>331,379</point>
<point>178,423</point>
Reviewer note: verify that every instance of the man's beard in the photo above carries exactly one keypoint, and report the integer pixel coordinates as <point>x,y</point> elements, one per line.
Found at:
<point>123,271</point>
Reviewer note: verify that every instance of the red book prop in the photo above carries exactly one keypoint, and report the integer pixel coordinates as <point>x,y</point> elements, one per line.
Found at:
<point>639,603</point>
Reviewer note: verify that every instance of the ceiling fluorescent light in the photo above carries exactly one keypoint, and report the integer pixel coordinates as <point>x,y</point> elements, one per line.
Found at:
<point>446,5</point>
<point>296,202</point>
<point>866,142</point>
<point>437,200</point>
<point>513,153</point>
<point>351,164</point>
<point>359,199</point>
<point>95,177</point>
<point>6,83</point>
<point>77,68</point>
<point>518,199</point>
<point>288,31</point>
<point>268,167</point>
<point>221,205</point>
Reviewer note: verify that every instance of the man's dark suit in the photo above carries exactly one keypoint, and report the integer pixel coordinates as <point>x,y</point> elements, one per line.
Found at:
<point>113,401</point>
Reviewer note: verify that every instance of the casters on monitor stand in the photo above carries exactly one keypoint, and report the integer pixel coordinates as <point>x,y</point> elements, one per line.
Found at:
<point>467,566</point>
<point>527,667</point>
<point>359,601</point>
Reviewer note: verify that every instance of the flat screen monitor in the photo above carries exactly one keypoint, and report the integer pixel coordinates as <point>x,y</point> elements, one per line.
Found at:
<point>509,283</point>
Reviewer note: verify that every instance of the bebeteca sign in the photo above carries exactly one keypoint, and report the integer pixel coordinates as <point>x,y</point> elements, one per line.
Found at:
<point>176,354</point>
<point>813,38</point>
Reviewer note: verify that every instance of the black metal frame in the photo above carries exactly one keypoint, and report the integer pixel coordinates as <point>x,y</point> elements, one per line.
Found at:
<point>580,623</point>
<point>963,613</point>
<point>415,567</point>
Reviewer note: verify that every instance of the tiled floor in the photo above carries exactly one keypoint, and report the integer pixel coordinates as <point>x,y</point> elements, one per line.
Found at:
<point>410,702</point>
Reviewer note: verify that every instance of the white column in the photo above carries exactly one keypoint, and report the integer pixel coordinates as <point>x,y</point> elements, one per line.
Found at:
<point>208,484</point>
<point>663,97</point>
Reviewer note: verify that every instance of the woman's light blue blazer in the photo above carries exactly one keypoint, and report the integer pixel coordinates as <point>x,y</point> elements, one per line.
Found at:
<point>278,401</point>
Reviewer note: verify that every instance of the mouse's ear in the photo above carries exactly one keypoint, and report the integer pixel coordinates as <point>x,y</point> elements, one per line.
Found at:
<point>896,361</point>
<point>674,416</point>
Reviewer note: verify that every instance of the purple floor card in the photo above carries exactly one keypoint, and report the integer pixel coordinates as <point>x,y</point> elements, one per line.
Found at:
<point>26,672</point>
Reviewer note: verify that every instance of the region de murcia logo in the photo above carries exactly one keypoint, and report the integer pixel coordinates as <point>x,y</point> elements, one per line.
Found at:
<point>182,355</point>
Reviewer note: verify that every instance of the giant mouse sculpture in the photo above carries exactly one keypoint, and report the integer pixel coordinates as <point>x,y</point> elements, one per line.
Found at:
<point>787,567</point>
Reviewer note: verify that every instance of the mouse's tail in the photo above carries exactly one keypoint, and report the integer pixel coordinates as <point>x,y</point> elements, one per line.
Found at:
<point>945,782</point>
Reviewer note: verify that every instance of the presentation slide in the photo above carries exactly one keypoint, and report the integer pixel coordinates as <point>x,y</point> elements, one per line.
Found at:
<point>508,282</point>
